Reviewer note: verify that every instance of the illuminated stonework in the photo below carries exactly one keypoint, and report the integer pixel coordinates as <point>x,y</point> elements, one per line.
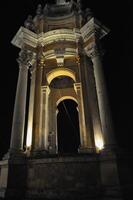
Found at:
<point>60,48</point>
<point>57,46</point>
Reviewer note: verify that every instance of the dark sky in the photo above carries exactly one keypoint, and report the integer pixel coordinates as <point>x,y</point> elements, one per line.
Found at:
<point>117,62</point>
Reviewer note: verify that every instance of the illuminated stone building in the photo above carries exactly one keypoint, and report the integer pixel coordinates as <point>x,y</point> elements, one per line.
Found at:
<point>60,47</point>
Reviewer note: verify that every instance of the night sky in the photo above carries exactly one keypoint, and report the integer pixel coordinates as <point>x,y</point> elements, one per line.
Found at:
<point>117,62</point>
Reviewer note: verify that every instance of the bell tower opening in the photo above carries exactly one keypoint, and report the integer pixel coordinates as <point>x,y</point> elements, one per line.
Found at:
<point>68,127</point>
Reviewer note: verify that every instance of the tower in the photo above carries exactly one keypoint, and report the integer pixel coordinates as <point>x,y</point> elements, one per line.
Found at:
<point>60,47</point>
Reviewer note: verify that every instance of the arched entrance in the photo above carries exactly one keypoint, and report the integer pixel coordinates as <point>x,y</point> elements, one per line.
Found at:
<point>68,127</point>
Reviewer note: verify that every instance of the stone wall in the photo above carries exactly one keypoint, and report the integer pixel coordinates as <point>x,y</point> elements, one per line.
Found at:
<point>63,178</point>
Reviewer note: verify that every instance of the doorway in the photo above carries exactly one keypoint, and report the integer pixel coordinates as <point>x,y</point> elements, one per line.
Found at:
<point>68,127</point>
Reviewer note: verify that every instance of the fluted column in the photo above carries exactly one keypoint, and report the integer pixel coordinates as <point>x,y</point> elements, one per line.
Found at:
<point>17,133</point>
<point>44,118</point>
<point>105,115</point>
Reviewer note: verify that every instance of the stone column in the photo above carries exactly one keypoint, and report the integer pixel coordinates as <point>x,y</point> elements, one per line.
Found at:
<point>105,115</point>
<point>17,134</point>
<point>31,107</point>
<point>44,118</point>
<point>91,93</point>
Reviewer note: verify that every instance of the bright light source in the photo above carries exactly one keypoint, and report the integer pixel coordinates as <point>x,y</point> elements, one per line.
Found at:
<point>99,143</point>
<point>29,138</point>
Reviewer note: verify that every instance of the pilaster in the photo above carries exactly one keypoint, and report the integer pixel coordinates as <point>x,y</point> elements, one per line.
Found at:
<point>52,136</point>
<point>37,103</point>
<point>84,135</point>
<point>85,90</point>
<point>44,118</point>
<point>31,107</point>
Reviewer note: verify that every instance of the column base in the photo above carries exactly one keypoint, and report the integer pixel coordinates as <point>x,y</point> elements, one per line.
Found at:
<point>86,150</point>
<point>14,154</point>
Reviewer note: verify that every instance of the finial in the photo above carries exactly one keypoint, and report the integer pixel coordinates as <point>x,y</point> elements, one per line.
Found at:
<point>39,10</point>
<point>29,23</point>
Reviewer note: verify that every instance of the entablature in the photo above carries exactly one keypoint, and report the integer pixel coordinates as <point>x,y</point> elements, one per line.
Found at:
<point>91,33</point>
<point>93,26</point>
<point>25,36</point>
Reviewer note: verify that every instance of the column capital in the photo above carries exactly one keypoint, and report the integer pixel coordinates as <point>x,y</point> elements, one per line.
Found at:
<point>41,60</point>
<point>25,58</point>
<point>93,51</point>
<point>33,69</point>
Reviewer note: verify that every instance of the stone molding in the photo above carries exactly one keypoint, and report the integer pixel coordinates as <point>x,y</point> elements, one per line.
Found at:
<point>25,36</point>
<point>77,86</point>
<point>92,27</point>
<point>45,89</point>
<point>67,52</point>
<point>65,17</point>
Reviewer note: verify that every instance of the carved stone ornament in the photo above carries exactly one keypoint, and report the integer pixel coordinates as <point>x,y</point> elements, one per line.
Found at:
<point>29,23</point>
<point>92,50</point>
<point>41,60</point>
<point>25,57</point>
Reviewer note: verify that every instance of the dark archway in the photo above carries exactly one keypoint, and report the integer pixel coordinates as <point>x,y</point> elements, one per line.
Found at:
<point>68,127</point>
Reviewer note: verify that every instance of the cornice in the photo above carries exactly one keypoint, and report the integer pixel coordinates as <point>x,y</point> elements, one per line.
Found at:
<point>93,26</point>
<point>57,35</point>
<point>60,18</point>
<point>25,36</point>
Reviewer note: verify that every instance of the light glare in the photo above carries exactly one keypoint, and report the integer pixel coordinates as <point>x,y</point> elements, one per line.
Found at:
<point>99,143</point>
